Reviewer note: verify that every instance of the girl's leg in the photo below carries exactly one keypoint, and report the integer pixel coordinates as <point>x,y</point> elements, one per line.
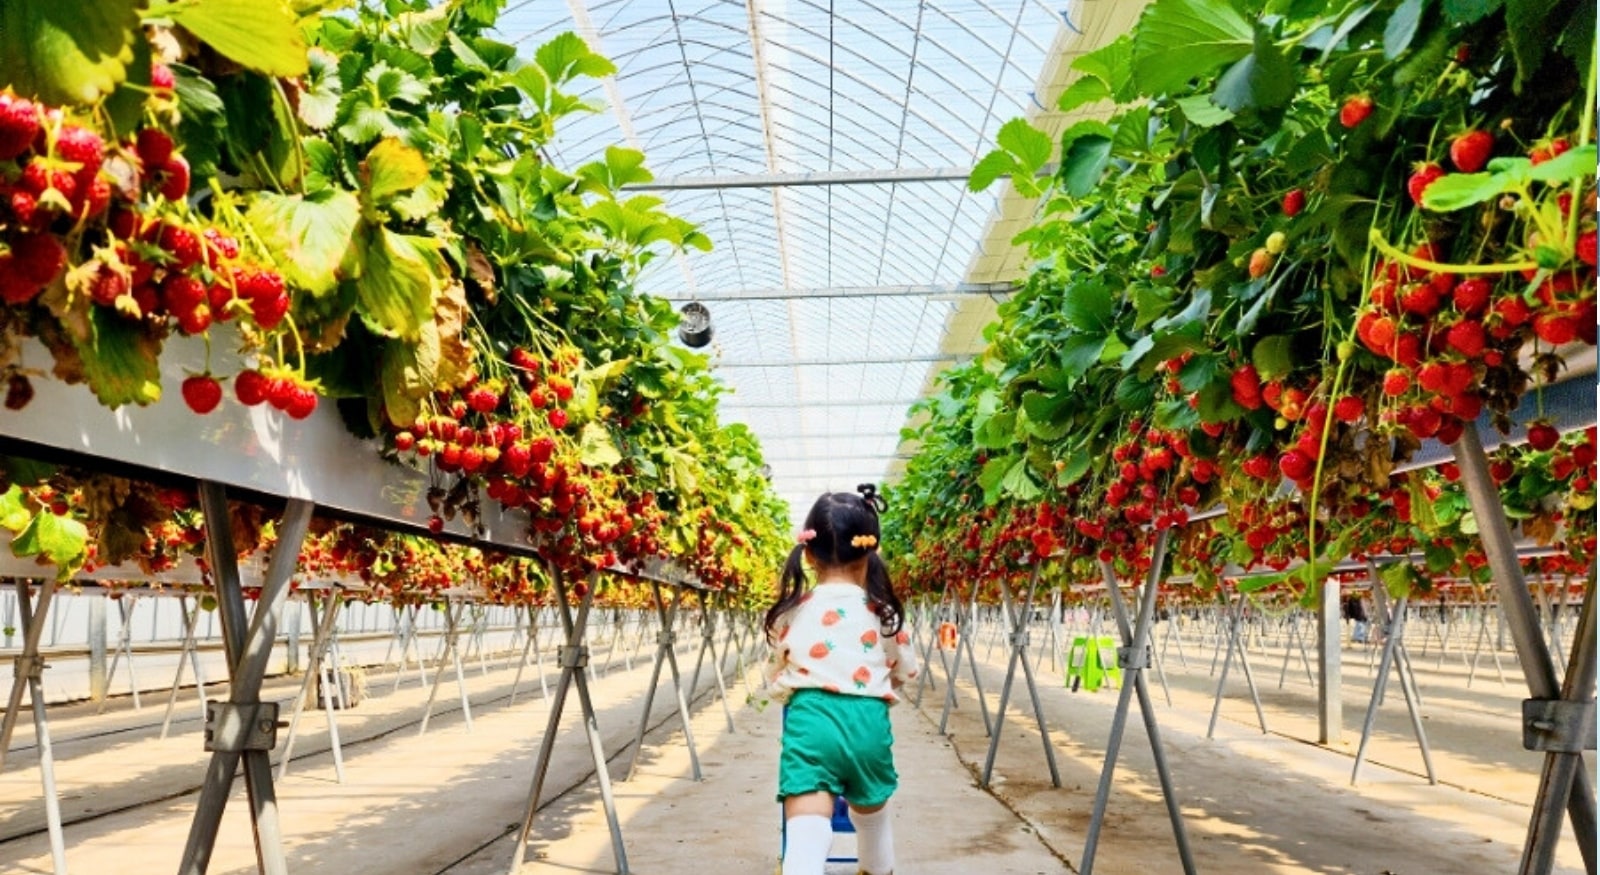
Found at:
<point>874,839</point>
<point>808,833</point>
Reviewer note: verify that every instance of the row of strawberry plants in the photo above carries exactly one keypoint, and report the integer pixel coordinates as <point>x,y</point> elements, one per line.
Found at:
<point>360,204</point>
<point>1303,242</point>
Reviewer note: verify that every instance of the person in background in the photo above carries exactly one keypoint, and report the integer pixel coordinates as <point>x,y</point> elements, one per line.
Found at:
<point>838,654</point>
<point>1355,611</point>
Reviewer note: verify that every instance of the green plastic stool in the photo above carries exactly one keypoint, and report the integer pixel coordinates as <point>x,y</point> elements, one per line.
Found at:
<point>1091,662</point>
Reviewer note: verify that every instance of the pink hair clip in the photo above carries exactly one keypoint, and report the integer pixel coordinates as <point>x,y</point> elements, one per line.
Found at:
<point>805,536</point>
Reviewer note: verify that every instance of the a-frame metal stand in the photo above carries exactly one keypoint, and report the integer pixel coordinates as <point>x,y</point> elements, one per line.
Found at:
<point>1558,719</point>
<point>243,727</point>
<point>573,658</point>
<point>29,675</point>
<point>531,643</point>
<point>966,631</point>
<point>666,644</point>
<point>321,645</point>
<point>1235,643</point>
<point>448,656</point>
<point>1134,658</point>
<point>124,648</point>
<point>1019,653</point>
<point>191,654</point>
<point>1393,656</point>
<point>708,644</point>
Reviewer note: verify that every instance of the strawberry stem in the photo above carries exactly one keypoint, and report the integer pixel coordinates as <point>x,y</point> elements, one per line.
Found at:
<point>1376,238</point>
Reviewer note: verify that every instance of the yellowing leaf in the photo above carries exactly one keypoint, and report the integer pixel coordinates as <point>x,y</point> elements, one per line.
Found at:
<point>260,34</point>
<point>61,540</point>
<point>391,168</point>
<point>595,447</point>
<point>399,281</point>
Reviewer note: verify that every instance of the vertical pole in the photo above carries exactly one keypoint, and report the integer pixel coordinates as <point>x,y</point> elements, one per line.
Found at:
<point>99,683</point>
<point>1330,666</point>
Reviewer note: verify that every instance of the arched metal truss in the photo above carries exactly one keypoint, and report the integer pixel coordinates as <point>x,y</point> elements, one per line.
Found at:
<point>823,146</point>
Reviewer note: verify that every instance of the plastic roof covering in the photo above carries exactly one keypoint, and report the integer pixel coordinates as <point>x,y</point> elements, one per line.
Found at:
<point>721,91</point>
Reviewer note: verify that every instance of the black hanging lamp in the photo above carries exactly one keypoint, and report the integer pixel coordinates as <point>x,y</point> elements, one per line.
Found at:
<point>694,326</point>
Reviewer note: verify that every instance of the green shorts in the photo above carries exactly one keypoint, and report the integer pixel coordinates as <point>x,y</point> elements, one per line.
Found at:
<point>839,743</point>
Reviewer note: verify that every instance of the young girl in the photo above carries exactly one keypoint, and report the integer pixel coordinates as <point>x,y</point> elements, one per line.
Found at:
<point>838,655</point>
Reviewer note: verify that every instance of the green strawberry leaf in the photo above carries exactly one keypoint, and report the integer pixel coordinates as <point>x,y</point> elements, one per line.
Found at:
<point>398,282</point>
<point>60,539</point>
<point>66,52</point>
<point>260,34</point>
<point>1178,40</point>
<point>390,169</point>
<point>14,515</point>
<point>121,363</point>
<point>308,235</point>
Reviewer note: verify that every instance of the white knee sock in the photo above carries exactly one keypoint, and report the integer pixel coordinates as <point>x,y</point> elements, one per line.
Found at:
<point>807,840</point>
<point>874,841</point>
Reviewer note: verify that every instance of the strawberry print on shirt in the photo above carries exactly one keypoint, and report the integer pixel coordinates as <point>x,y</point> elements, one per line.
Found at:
<point>831,640</point>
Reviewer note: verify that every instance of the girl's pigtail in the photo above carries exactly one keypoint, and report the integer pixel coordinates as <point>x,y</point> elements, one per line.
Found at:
<point>880,592</point>
<point>790,586</point>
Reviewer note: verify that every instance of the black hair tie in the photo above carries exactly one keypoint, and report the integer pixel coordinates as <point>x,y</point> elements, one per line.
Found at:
<point>869,495</point>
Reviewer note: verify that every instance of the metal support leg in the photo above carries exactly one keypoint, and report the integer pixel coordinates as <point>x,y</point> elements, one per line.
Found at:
<point>451,655</point>
<point>28,674</point>
<point>708,643</point>
<point>1019,653</point>
<point>1133,658</point>
<point>666,652</point>
<point>124,648</point>
<point>1391,648</point>
<point>1233,643</point>
<point>573,657</point>
<point>314,674</point>
<point>967,629</point>
<point>248,650</point>
<point>188,652</point>
<point>1538,855</point>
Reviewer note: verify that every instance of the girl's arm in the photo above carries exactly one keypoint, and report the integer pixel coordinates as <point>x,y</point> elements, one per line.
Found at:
<point>777,649</point>
<point>902,658</point>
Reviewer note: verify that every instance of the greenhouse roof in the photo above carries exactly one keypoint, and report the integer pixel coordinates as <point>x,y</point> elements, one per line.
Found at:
<point>825,149</point>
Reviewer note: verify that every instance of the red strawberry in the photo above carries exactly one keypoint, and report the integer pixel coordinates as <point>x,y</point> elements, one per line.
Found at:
<point>1555,328</point>
<point>1296,465</point>
<point>154,148</point>
<point>161,80</point>
<point>1501,470</point>
<point>1246,383</point>
<point>195,320</point>
<point>1382,334</point>
<point>1549,149</point>
<point>1542,435</point>
<point>250,386</point>
<point>1466,337</point>
<point>281,392</point>
<point>19,124</point>
<point>38,257</point>
<point>1293,202</point>
<point>181,244</point>
<point>1420,299</point>
<point>15,289</point>
<point>483,400</point>
<point>1471,296</point>
<point>107,285</point>
<point>558,419</point>
<point>82,147</point>
<point>1513,311</point>
<point>202,393</point>
<point>302,404</point>
<point>404,441</point>
<point>1433,376</point>
<point>1259,467</point>
<point>1396,382</point>
<point>268,313</point>
<point>435,524</point>
<point>181,293</point>
<point>175,182</point>
<point>1470,151</point>
<point>1349,409</point>
<point>1355,110</point>
<point>542,449</point>
<point>1423,176</point>
<point>1586,247</point>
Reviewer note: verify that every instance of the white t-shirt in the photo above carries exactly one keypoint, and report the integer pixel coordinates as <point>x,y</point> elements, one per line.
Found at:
<point>831,640</point>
